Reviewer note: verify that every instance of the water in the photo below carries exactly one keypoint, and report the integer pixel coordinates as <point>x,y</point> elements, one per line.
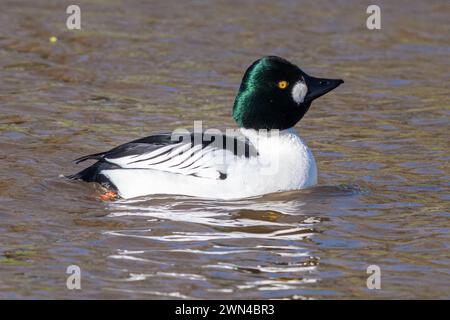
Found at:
<point>380,140</point>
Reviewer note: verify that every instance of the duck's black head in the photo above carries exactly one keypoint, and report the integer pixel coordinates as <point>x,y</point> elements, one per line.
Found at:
<point>276,94</point>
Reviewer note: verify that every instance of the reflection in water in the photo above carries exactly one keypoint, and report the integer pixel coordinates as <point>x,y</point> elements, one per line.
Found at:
<point>262,239</point>
<point>229,246</point>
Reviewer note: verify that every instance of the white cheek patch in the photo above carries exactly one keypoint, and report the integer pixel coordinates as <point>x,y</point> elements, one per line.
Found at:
<point>299,92</point>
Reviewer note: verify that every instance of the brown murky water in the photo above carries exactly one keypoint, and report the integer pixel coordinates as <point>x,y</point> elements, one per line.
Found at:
<point>381,142</point>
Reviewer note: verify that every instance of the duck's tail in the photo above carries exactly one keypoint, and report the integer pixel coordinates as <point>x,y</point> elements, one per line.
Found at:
<point>93,174</point>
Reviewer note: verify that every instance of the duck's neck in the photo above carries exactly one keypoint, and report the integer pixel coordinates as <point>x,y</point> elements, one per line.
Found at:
<point>253,134</point>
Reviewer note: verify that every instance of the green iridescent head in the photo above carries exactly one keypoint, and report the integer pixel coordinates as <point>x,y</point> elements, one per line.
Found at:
<point>276,94</point>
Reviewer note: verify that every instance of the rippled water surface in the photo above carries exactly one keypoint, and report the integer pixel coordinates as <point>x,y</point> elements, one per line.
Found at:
<point>381,142</point>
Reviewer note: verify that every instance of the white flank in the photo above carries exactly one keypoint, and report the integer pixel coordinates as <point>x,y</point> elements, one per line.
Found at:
<point>284,163</point>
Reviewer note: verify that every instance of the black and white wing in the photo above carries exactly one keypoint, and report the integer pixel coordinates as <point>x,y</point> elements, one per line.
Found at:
<point>197,154</point>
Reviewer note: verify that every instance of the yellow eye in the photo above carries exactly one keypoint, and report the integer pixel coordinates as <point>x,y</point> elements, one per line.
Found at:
<point>282,84</point>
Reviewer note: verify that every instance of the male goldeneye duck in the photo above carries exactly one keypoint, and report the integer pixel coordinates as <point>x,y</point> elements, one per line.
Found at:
<point>267,155</point>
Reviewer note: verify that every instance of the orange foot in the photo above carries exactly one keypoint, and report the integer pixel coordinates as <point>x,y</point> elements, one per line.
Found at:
<point>108,196</point>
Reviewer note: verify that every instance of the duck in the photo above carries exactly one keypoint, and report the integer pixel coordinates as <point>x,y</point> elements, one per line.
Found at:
<point>265,154</point>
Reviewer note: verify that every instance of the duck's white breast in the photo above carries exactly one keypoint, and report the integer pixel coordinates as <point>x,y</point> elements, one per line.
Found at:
<point>286,162</point>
